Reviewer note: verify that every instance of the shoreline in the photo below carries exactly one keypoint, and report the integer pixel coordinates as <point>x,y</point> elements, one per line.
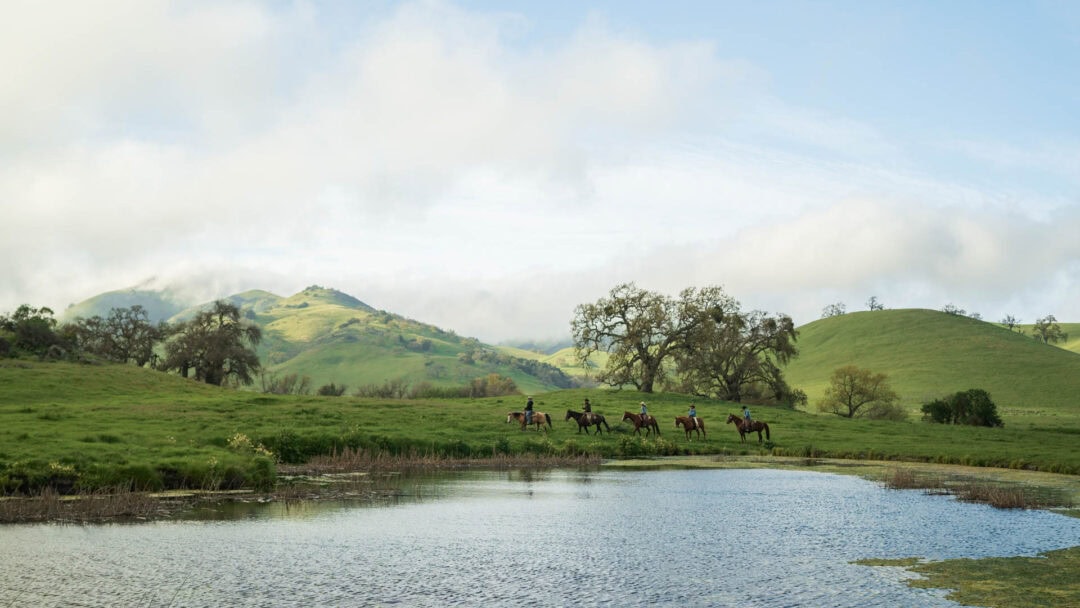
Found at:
<point>357,477</point>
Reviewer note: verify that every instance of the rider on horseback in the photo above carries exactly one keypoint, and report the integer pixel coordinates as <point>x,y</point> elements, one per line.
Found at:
<point>693,414</point>
<point>644,414</point>
<point>528,411</point>
<point>746,417</point>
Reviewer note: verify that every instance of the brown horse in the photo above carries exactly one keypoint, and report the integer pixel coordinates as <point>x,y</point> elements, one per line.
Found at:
<point>642,420</point>
<point>744,428</point>
<point>538,418</point>
<point>587,419</point>
<point>690,425</point>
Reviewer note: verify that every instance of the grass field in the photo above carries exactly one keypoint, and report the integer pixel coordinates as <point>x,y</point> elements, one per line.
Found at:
<point>88,426</point>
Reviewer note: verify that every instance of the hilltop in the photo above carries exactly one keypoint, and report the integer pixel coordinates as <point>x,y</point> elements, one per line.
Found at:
<point>928,354</point>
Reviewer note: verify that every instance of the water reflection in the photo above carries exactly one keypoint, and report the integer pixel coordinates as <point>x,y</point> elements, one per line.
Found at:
<point>754,538</point>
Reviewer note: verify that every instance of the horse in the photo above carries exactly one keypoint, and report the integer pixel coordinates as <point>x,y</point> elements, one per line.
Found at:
<point>691,424</point>
<point>587,419</point>
<point>642,420</point>
<point>538,418</point>
<point>752,427</point>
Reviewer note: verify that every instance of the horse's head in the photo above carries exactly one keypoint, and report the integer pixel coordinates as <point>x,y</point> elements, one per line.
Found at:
<point>677,422</point>
<point>731,418</point>
<point>569,415</point>
<point>627,416</point>
<point>510,416</point>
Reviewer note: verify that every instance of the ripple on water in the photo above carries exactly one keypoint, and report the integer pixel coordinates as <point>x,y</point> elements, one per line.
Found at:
<point>671,538</point>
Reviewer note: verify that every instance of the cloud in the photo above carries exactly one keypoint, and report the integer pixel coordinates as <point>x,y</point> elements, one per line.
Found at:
<point>435,162</point>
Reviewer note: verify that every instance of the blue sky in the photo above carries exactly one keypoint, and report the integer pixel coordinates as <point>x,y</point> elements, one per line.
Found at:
<point>487,166</point>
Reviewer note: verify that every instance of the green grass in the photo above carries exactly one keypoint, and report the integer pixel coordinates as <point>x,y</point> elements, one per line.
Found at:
<point>88,426</point>
<point>1072,330</point>
<point>1004,582</point>
<point>929,354</point>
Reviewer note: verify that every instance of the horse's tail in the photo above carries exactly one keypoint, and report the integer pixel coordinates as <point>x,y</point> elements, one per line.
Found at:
<point>548,416</point>
<point>766,425</point>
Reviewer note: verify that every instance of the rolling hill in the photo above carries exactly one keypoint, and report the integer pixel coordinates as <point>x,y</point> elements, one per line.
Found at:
<point>928,354</point>
<point>332,337</point>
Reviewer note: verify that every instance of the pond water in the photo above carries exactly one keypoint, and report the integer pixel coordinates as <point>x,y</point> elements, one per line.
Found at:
<point>751,538</point>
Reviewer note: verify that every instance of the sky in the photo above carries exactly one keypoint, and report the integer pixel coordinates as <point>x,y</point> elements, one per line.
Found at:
<point>487,166</point>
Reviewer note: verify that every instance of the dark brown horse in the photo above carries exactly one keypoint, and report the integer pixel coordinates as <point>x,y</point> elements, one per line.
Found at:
<point>745,428</point>
<point>587,419</point>
<point>538,418</point>
<point>690,425</point>
<point>642,420</point>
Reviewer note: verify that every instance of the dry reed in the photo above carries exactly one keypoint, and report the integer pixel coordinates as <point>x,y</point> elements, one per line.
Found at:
<point>350,461</point>
<point>997,495</point>
<point>100,505</point>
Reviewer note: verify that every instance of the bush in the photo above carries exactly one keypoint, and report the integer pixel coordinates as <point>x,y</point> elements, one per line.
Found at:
<point>973,407</point>
<point>331,390</point>
<point>886,411</point>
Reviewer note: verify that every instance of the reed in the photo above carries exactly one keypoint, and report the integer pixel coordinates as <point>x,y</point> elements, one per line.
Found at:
<point>348,460</point>
<point>1002,497</point>
<point>98,505</point>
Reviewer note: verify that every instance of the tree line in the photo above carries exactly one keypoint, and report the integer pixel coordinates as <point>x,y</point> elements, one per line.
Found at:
<point>216,346</point>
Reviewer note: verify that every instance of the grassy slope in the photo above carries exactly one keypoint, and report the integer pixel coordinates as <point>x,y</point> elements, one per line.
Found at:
<point>103,421</point>
<point>332,337</point>
<point>928,354</point>
<point>1072,330</point>
<point>563,359</point>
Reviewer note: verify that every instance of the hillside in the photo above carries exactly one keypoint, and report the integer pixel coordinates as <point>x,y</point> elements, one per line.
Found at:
<point>928,354</point>
<point>1072,330</point>
<point>159,305</point>
<point>333,337</point>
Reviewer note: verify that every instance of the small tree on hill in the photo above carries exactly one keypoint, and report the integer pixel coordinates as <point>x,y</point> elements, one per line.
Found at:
<point>833,310</point>
<point>1010,322</point>
<point>857,392</point>
<point>1048,330</point>
<point>952,309</point>
<point>874,304</point>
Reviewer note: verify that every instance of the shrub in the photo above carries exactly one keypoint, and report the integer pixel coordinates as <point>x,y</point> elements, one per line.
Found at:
<point>886,411</point>
<point>973,407</point>
<point>331,390</point>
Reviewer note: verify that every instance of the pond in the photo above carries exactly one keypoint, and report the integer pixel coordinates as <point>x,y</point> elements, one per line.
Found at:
<point>752,538</point>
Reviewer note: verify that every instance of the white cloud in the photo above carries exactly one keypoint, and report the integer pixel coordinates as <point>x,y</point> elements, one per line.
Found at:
<point>429,163</point>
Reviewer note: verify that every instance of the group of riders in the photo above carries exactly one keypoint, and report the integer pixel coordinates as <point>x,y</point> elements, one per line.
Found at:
<point>644,413</point>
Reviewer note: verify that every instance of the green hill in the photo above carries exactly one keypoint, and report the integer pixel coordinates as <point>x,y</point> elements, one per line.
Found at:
<point>332,337</point>
<point>928,354</point>
<point>159,305</point>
